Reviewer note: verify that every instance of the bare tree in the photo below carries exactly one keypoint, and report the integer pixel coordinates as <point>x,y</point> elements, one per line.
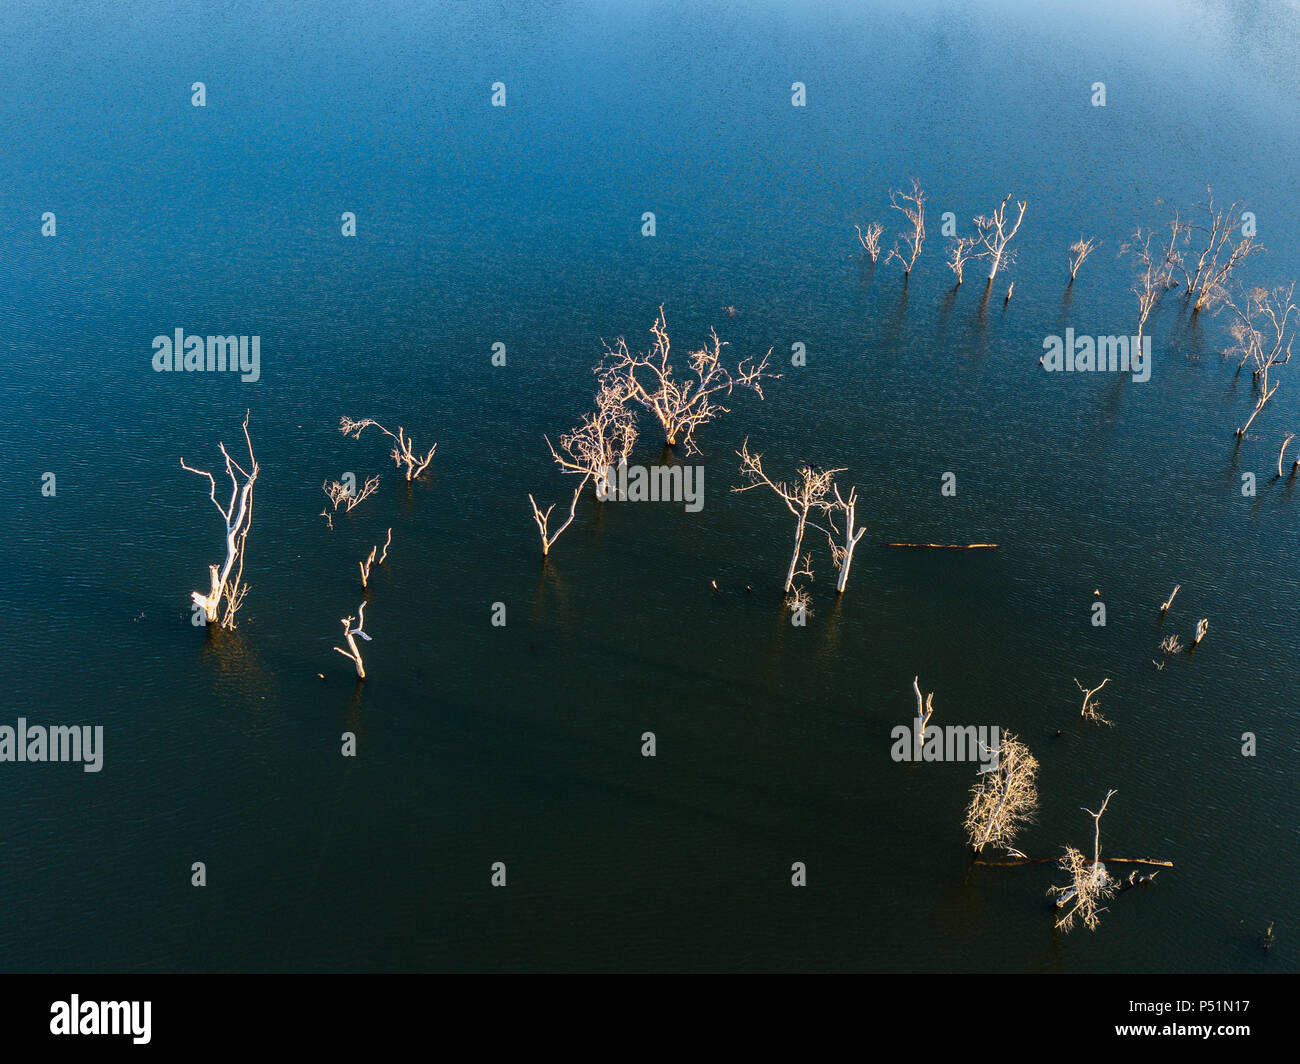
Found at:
<point>403,453</point>
<point>1004,798</point>
<point>227,578</point>
<point>353,653</point>
<point>924,710</point>
<point>870,240</point>
<point>1152,277</point>
<point>602,439</point>
<point>1217,259</point>
<point>341,493</point>
<point>365,565</point>
<point>1091,707</point>
<point>1171,644</point>
<point>958,252</point>
<point>1264,332</point>
<point>806,495</point>
<point>1079,251</point>
<point>543,517</point>
<point>995,235</point>
<point>912,207</point>
<point>842,555</point>
<point>1202,626</point>
<point>1090,884</point>
<point>680,406</point>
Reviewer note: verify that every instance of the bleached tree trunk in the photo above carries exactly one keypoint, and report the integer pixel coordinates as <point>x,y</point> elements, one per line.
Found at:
<point>852,535</point>
<point>238,516</point>
<point>543,517</point>
<point>798,544</point>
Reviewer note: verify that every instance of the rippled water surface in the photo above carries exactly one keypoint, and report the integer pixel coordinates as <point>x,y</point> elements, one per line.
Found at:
<point>522,225</point>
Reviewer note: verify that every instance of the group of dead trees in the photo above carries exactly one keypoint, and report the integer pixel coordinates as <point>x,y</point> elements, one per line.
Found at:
<point>990,242</point>
<point>411,463</point>
<point>681,403</point>
<point>221,602</point>
<point>1004,800</point>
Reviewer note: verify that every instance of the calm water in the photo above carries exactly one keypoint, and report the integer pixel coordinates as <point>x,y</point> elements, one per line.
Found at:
<point>522,225</point>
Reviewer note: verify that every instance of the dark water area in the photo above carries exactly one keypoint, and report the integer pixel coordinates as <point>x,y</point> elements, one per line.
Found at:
<point>521,225</point>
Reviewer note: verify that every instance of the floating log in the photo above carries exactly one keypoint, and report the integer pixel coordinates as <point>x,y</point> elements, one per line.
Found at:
<point>945,546</point>
<point>1014,861</point>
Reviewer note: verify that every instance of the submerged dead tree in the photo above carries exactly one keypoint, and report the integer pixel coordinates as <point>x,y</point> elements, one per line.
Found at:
<point>870,240</point>
<point>842,554</point>
<point>1091,707</point>
<point>353,653</point>
<point>958,253</point>
<point>1264,332</point>
<point>912,206</point>
<point>403,454</point>
<point>227,578</point>
<point>1079,251</point>
<point>602,440</point>
<point>1218,257</point>
<point>995,233</point>
<point>1152,277</point>
<point>1090,884</point>
<point>680,405</point>
<point>1004,798</point>
<point>805,496</point>
<point>365,565</point>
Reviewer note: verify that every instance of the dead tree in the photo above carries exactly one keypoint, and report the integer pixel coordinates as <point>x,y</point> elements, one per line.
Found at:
<point>1152,278</point>
<point>543,517</point>
<point>924,710</point>
<point>1004,798</point>
<point>1202,626</point>
<point>912,207</point>
<point>959,251</point>
<point>602,440</point>
<point>1091,707</point>
<point>680,406</point>
<point>1264,332</point>
<point>1090,884</point>
<point>350,497</point>
<point>1219,257</point>
<point>365,565</point>
<point>353,654</point>
<point>1289,437</point>
<point>1164,606</point>
<point>805,496</point>
<point>227,578</point>
<point>1171,644</point>
<point>870,240</point>
<point>995,235</point>
<point>842,555</point>
<point>1079,251</point>
<point>403,453</point>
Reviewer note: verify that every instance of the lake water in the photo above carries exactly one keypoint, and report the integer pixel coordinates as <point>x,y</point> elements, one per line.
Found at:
<point>523,225</point>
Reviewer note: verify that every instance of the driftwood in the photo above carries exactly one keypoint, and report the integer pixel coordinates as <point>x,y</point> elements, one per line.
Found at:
<point>1016,861</point>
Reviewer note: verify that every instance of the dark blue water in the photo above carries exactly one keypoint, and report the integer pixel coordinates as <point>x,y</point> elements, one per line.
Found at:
<point>522,225</point>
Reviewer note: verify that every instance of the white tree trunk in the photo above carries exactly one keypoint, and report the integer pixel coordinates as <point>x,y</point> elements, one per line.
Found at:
<point>794,558</point>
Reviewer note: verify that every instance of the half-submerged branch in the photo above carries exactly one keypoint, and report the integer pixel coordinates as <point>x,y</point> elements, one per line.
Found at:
<point>403,453</point>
